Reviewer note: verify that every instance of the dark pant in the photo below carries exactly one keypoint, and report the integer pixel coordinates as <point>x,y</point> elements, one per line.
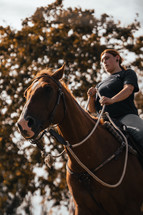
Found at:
<point>134,126</point>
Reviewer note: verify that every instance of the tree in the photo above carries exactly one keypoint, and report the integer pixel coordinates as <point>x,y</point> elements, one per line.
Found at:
<point>51,36</point>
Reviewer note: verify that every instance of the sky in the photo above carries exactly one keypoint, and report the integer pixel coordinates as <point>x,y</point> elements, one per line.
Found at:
<point>12,12</point>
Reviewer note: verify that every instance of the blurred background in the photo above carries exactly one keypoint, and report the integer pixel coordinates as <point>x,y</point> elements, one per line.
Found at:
<point>37,34</point>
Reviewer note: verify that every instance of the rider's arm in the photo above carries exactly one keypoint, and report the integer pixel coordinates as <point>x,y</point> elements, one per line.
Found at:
<point>122,95</point>
<point>91,105</point>
<point>91,98</point>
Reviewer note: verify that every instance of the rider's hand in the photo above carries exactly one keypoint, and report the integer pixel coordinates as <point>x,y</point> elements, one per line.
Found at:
<point>91,92</point>
<point>106,101</point>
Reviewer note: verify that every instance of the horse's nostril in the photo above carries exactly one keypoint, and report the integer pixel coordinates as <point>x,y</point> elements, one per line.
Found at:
<point>31,121</point>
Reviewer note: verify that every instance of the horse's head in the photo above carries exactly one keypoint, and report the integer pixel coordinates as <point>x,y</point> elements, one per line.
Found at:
<point>43,104</point>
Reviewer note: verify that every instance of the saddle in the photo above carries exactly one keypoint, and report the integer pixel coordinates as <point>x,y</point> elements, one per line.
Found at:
<point>134,148</point>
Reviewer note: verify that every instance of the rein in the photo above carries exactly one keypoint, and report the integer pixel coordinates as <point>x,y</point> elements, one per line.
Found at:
<point>69,147</point>
<point>109,159</point>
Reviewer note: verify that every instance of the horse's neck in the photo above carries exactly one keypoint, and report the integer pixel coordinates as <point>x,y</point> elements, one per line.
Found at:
<point>75,127</point>
<point>77,123</point>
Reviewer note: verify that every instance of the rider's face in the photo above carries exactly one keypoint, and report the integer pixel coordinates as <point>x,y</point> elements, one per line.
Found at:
<point>110,62</point>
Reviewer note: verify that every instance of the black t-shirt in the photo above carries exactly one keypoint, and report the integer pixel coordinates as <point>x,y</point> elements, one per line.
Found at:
<point>113,85</point>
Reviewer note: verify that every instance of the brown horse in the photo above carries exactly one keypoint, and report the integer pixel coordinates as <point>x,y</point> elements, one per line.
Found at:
<point>48,101</point>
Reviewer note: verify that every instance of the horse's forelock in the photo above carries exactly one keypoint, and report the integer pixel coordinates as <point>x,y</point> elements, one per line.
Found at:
<point>44,72</point>
<point>40,73</point>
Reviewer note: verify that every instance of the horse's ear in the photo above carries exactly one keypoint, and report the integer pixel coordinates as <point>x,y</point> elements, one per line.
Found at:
<point>59,73</point>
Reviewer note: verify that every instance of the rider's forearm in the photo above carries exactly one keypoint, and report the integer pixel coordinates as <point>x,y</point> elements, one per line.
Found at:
<point>123,94</point>
<point>91,105</point>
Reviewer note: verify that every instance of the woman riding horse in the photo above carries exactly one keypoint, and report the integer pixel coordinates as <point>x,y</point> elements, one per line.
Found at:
<point>48,101</point>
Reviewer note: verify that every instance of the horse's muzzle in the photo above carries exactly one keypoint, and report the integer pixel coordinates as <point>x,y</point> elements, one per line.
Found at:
<point>29,127</point>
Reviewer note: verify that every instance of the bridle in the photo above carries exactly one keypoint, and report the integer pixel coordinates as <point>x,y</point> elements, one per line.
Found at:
<point>51,116</point>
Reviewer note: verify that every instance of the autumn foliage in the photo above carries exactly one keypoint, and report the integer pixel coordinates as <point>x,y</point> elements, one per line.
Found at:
<point>51,36</point>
